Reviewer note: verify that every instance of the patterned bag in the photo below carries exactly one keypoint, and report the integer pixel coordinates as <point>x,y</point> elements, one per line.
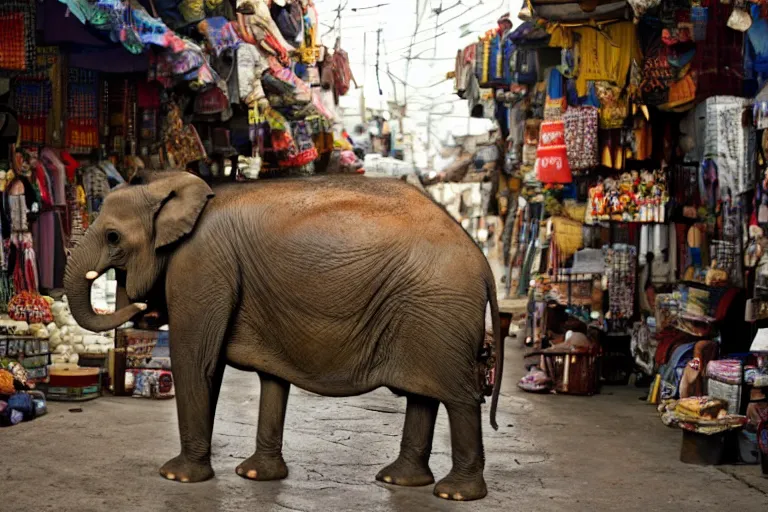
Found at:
<point>555,103</point>
<point>342,73</point>
<point>581,136</point>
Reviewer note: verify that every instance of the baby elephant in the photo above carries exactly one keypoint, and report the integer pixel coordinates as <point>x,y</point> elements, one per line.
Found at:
<point>338,285</point>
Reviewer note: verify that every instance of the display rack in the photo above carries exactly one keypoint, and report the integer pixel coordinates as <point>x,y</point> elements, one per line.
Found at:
<point>33,354</point>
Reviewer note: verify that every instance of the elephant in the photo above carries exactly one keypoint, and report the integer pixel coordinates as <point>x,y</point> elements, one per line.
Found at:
<point>336,284</point>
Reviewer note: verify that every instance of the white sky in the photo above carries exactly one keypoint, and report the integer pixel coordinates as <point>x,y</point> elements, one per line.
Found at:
<point>427,88</point>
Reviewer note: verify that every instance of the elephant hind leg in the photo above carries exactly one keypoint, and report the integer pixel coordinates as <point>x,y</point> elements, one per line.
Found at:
<point>412,465</point>
<point>465,481</point>
<point>267,462</point>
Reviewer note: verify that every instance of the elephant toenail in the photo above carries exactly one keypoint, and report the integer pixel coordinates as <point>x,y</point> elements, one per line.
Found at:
<point>170,476</point>
<point>252,473</point>
<point>240,471</point>
<point>458,496</point>
<point>388,479</point>
<point>184,480</point>
<point>444,495</point>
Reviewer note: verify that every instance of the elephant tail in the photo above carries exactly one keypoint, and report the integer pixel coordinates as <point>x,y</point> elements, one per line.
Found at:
<point>499,342</point>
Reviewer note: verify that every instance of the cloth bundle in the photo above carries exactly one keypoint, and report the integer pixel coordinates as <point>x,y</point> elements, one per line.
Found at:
<point>728,371</point>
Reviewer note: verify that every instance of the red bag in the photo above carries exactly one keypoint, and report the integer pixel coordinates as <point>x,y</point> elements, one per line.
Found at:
<point>342,73</point>
<point>551,155</point>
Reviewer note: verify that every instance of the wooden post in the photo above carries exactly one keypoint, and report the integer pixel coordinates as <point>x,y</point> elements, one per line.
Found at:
<point>118,385</point>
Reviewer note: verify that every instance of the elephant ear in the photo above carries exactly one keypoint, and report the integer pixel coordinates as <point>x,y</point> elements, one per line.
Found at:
<point>178,199</point>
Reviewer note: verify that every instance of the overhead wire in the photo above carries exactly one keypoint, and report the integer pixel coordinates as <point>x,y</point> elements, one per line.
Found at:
<point>479,18</point>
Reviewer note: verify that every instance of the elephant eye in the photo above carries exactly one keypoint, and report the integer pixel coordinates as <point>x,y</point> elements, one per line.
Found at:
<point>113,237</point>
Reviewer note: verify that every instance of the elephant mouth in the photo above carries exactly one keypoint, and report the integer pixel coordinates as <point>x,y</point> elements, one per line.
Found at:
<point>121,276</point>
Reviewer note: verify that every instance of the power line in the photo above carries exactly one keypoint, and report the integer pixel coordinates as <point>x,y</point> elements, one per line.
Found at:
<point>479,18</point>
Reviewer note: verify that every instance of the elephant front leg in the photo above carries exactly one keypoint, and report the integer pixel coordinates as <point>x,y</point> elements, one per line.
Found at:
<point>198,370</point>
<point>412,466</point>
<point>267,463</point>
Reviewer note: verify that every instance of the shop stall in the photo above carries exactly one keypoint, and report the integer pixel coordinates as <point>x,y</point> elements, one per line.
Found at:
<point>632,141</point>
<point>94,93</point>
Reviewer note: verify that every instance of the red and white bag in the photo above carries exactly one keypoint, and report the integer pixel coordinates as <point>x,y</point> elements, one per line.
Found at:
<point>551,156</point>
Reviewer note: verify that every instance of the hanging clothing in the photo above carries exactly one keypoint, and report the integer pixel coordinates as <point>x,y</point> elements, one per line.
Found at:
<point>605,52</point>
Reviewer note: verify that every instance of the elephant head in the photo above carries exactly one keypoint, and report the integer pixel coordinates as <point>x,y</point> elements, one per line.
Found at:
<point>135,233</point>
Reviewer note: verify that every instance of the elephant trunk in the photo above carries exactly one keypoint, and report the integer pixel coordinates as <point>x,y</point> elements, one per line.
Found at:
<point>83,267</point>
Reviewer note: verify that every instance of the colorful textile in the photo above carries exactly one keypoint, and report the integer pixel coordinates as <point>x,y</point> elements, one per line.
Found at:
<point>130,24</point>
<point>728,371</point>
<point>126,21</point>
<point>581,136</point>
<point>220,34</point>
<point>82,111</point>
<point>182,142</point>
<point>13,52</point>
<point>32,99</point>
<point>25,275</point>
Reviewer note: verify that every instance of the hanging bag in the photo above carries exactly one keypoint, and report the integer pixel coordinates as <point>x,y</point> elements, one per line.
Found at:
<point>581,133</point>
<point>525,66</point>
<point>555,103</point>
<point>552,164</point>
<point>342,73</point>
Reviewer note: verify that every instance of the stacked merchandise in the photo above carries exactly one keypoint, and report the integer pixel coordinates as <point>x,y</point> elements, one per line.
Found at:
<point>24,356</point>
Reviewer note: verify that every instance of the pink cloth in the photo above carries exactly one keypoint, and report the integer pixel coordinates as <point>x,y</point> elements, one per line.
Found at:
<point>728,371</point>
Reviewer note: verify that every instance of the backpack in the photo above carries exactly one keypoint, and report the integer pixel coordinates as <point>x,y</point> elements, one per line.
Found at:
<point>525,66</point>
<point>289,19</point>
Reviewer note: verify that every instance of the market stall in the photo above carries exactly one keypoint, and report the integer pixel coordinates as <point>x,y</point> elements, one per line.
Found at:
<point>94,93</point>
<point>631,172</point>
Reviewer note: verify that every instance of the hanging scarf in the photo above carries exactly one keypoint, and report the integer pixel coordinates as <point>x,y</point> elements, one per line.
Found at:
<point>24,262</point>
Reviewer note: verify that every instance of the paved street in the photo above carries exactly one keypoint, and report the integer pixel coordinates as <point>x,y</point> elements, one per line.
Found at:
<point>607,452</point>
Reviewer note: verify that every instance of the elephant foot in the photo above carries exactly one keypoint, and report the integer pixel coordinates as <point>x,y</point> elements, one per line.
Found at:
<point>459,488</point>
<point>263,468</point>
<point>407,473</point>
<point>181,469</point>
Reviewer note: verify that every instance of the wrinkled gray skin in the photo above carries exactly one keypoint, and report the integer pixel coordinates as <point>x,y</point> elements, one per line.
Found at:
<point>336,285</point>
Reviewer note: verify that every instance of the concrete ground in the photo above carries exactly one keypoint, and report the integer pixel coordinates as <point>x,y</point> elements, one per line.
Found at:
<point>607,452</point>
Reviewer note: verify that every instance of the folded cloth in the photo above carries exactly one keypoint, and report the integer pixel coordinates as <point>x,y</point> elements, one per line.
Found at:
<point>700,407</point>
<point>535,381</point>
<point>725,370</point>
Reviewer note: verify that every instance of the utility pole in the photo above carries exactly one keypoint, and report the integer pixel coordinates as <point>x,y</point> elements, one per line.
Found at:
<point>365,73</point>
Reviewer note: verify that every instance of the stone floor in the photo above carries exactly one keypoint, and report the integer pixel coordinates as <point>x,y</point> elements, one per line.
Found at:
<point>606,452</point>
